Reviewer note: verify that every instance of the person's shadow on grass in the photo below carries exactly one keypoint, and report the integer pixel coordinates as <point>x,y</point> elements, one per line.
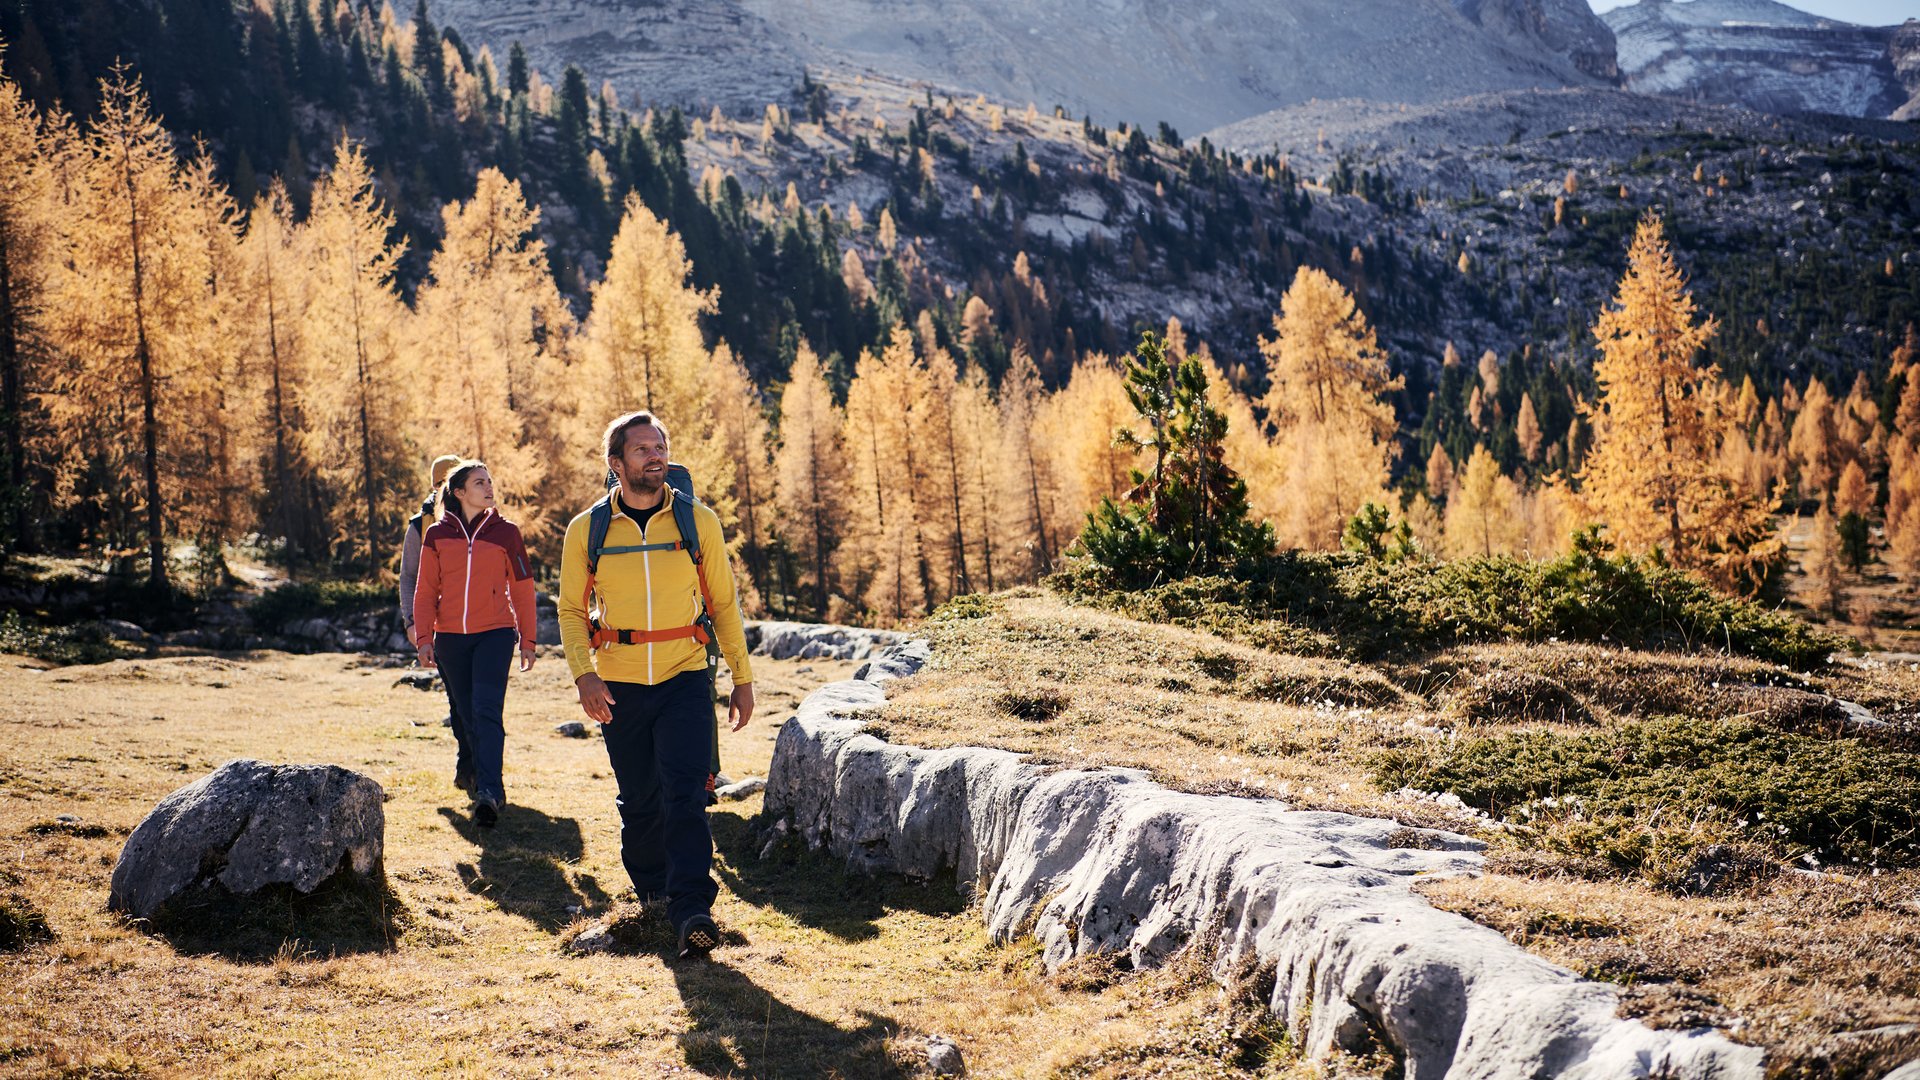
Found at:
<point>737,1028</point>
<point>812,888</point>
<point>523,865</point>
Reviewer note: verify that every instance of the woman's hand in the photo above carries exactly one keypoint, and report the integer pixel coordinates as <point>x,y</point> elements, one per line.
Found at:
<point>426,653</point>
<point>526,657</point>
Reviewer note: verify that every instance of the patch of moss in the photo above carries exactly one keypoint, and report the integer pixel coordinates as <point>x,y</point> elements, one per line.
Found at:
<point>79,643</point>
<point>1650,796</point>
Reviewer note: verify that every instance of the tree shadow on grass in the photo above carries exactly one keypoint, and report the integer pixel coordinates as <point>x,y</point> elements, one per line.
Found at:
<point>346,914</point>
<point>524,864</point>
<point>814,888</point>
<point>738,1028</point>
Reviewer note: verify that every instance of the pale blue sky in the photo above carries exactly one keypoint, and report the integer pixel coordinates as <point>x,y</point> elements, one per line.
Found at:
<point>1870,12</point>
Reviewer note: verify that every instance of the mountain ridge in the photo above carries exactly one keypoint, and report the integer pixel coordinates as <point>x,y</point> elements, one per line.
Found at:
<point>1139,61</point>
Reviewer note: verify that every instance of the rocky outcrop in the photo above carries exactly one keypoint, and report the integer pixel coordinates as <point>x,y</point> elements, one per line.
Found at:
<point>1756,53</point>
<point>1550,28</point>
<point>248,827</point>
<point>1903,52</point>
<point>1107,861</point>
<point>817,641</point>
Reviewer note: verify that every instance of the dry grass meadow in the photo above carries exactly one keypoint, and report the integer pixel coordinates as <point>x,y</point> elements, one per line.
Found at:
<point>822,974</point>
<point>1822,968</point>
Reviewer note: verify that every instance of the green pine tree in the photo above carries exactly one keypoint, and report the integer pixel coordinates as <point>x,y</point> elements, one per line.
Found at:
<point>1189,516</point>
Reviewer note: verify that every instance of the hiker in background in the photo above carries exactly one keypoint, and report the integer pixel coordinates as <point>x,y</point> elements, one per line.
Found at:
<point>474,601</point>
<point>409,576</point>
<point>639,607</point>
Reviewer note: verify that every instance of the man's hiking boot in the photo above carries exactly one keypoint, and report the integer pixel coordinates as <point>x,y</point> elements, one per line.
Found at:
<point>698,937</point>
<point>463,779</point>
<point>486,813</point>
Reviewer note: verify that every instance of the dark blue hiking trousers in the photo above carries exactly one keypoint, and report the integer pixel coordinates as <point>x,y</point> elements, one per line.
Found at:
<point>475,669</point>
<point>658,742</point>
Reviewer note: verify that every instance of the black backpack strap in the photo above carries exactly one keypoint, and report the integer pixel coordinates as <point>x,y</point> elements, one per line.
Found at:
<point>599,519</point>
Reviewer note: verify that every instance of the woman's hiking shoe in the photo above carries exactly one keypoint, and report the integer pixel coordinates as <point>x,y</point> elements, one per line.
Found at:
<point>486,814</point>
<point>463,779</point>
<point>698,937</point>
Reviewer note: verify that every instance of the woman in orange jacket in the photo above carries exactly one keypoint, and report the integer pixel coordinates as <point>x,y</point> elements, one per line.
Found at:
<point>473,601</point>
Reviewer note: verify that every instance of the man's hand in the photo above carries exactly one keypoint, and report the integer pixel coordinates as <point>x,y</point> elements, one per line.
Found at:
<point>426,653</point>
<point>740,706</point>
<point>595,698</point>
<point>526,658</point>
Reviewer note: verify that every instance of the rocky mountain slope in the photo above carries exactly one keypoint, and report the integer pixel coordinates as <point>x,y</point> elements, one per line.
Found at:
<point>1193,66</point>
<point>1760,54</point>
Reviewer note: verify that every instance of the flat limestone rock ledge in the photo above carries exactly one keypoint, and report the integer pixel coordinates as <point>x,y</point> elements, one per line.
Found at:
<point>249,826</point>
<point>1106,860</point>
<point>817,641</point>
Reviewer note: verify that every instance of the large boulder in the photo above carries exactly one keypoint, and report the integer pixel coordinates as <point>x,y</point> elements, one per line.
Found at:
<point>248,827</point>
<point>817,641</point>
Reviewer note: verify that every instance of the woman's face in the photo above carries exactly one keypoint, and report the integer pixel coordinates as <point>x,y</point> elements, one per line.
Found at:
<point>477,495</point>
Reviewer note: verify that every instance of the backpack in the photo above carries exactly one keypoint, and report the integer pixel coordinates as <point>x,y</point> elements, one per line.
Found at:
<point>599,519</point>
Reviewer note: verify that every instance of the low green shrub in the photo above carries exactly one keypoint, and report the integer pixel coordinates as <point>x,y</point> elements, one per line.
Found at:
<point>1632,792</point>
<point>1320,603</point>
<point>310,599</point>
<point>79,643</point>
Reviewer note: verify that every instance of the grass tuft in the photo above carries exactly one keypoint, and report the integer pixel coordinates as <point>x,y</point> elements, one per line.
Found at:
<point>22,924</point>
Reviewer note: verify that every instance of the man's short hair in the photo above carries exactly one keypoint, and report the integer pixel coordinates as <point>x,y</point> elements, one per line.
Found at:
<point>617,431</point>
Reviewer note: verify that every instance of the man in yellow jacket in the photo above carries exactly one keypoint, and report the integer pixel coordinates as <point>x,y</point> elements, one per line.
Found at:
<point>643,674</point>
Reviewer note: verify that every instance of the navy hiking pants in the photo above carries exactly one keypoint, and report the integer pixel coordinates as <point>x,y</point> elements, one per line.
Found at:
<point>659,744</point>
<point>474,667</point>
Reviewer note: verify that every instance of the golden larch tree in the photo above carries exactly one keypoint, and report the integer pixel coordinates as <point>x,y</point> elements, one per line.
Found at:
<point>30,257</point>
<point>811,493</point>
<point>643,343</point>
<point>128,316</point>
<point>1815,442</point>
<point>272,255</point>
<point>1653,474</point>
<point>1526,429</point>
<point>490,330</point>
<point>1334,427</point>
<point>1482,516</point>
<point>984,458</point>
<point>223,460</point>
<point>1903,481</point>
<point>359,391</point>
<point>1079,423</point>
<point>745,439</point>
<point>884,525</point>
<point>1032,488</point>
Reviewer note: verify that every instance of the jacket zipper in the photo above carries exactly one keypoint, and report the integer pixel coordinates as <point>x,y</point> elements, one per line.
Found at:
<point>646,566</point>
<point>466,600</point>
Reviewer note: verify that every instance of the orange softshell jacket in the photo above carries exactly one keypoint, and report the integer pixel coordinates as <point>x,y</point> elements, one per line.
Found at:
<point>473,579</point>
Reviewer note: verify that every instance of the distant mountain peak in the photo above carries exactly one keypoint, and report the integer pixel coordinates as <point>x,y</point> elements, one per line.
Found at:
<point>1758,53</point>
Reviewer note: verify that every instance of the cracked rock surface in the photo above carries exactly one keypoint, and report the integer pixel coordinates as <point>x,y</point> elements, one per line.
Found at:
<point>249,825</point>
<point>1093,861</point>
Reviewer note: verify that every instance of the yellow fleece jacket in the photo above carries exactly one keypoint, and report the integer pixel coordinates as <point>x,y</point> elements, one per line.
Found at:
<point>649,590</point>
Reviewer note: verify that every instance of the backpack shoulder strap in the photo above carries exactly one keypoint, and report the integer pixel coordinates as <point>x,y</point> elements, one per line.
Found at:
<point>599,519</point>
<point>687,521</point>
